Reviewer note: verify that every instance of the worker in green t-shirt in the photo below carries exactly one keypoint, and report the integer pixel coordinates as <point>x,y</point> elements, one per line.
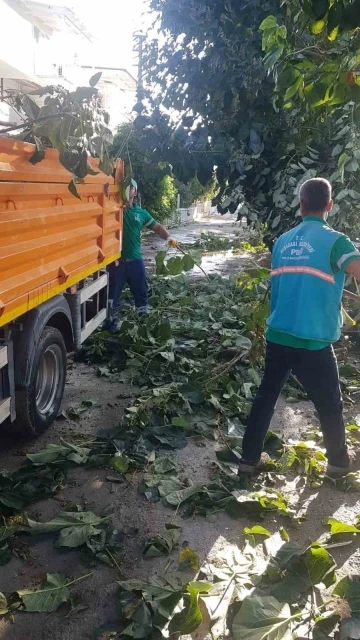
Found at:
<point>131,269</point>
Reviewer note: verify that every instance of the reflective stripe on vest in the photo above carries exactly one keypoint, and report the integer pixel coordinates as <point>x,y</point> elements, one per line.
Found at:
<point>313,272</point>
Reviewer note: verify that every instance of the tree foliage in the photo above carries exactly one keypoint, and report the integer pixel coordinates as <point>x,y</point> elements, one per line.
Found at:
<point>155,180</point>
<point>194,191</point>
<point>262,91</point>
<point>73,122</point>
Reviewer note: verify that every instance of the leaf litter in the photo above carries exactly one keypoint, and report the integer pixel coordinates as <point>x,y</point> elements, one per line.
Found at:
<point>54,591</point>
<point>162,544</point>
<point>197,362</point>
<point>261,592</point>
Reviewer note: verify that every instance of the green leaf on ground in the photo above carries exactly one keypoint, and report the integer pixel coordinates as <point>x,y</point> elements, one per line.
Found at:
<point>326,626</point>
<point>168,355</point>
<point>119,463</point>
<point>287,460</point>
<point>262,618</point>
<point>179,421</point>
<point>350,482</point>
<point>286,552</point>
<point>165,464</point>
<point>178,497</point>
<point>190,618</point>
<point>313,567</point>
<point>5,554</point>
<point>161,597</point>
<point>162,543</point>
<point>217,603</point>
<point>3,604</point>
<point>273,444</point>
<point>251,502</point>
<point>51,453</point>
<point>8,499</point>
<point>60,452</point>
<point>350,628</point>
<point>337,527</point>
<point>257,530</point>
<point>75,528</point>
<point>169,436</point>
<point>54,592</point>
<point>77,410</point>
<point>349,589</point>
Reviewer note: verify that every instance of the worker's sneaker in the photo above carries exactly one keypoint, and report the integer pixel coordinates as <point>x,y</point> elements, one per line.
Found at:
<point>339,472</point>
<point>143,311</point>
<point>110,325</point>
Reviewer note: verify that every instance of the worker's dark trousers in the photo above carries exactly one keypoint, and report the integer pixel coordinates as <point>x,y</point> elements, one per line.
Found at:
<point>318,373</point>
<point>133,273</point>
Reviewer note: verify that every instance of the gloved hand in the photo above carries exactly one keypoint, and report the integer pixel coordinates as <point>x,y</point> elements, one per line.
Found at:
<point>172,242</point>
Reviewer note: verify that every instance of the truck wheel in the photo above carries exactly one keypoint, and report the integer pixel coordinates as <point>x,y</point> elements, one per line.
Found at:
<point>38,405</point>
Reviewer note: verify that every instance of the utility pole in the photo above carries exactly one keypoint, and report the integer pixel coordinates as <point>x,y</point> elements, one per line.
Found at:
<point>138,48</point>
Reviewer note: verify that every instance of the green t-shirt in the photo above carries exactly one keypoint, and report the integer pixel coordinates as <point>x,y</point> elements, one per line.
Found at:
<point>135,219</point>
<point>342,253</point>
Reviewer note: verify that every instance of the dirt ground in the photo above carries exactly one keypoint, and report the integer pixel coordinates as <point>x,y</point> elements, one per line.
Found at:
<point>136,517</point>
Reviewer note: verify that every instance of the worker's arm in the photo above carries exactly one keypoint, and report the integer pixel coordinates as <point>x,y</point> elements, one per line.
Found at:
<point>354,269</point>
<point>164,234</point>
<point>345,257</point>
<point>160,231</point>
<point>150,223</point>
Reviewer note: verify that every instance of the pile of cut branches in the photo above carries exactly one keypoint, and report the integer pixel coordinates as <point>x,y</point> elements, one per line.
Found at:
<point>73,122</point>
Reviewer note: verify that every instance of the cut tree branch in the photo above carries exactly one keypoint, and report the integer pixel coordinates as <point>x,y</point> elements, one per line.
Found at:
<point>30,123</point>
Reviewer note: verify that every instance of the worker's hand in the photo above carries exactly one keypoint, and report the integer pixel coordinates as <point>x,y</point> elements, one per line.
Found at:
<point>172,242</point>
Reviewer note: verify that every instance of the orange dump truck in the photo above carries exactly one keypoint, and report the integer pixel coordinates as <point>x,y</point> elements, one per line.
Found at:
<point>54,249</point>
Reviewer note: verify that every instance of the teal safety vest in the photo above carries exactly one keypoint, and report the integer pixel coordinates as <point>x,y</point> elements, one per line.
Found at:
<point>305,292</point>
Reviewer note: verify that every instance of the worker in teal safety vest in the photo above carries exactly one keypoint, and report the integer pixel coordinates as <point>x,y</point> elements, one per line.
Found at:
<point>309,265</point>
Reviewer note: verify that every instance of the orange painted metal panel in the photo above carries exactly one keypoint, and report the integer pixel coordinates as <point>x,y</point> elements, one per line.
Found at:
<point>15,165</point>
<point>48,238</point>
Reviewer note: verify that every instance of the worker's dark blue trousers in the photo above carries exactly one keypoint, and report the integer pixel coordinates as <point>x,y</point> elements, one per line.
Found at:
<point>318,373</point>
<point>131,272</point>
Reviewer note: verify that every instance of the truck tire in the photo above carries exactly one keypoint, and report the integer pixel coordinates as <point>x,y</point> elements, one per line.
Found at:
<point>37,406</point>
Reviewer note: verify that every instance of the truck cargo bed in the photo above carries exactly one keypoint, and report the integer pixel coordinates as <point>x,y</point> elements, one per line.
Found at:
<point>50,240</point>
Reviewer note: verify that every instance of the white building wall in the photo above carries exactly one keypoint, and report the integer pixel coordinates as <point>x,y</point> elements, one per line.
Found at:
<point>17,44</point>
<point>27,54</point>
<point>118,104</point>
<point>56,54</point>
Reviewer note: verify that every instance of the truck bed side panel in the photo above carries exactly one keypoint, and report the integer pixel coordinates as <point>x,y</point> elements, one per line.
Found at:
<point>50,240</point>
